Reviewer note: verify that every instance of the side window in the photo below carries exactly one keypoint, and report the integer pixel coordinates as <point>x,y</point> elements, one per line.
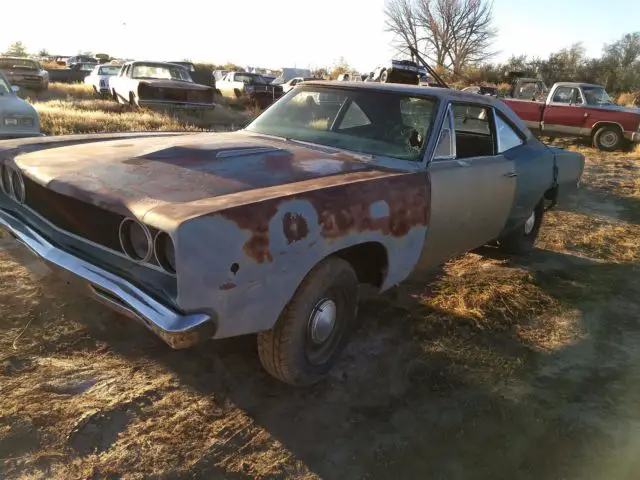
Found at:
<point>473,130</point>
<point>446,147</point>
<point>416,112</point>
<point>507,136</point>
<point>566,95</point>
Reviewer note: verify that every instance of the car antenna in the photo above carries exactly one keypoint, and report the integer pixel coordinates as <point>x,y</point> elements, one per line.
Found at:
<point>431,71</point>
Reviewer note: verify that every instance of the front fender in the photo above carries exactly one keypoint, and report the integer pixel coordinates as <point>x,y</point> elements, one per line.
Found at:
<point>247,262</point>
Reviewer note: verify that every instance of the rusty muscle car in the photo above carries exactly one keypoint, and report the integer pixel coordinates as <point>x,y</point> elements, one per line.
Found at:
<point>159,84</point>
<point>271,229</point>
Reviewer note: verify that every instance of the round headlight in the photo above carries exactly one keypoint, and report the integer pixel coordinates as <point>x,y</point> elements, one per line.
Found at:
<point>5,179</point>
<point>135,240</point>
<point>17,185</point>
<point>165,252</point>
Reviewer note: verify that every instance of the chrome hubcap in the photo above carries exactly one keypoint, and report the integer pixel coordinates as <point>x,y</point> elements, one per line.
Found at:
<point>322,320</point>
<point>530,223</point>
<point>609,139</point>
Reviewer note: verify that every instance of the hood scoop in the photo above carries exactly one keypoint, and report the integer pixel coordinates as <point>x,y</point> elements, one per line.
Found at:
<point>184,155</point>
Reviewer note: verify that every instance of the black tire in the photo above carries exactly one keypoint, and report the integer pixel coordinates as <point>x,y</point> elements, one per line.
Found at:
<point>384,76</point>
<point>115,97</point>
<point>132,100</point>
<point>522,240</point>
<point>289,350</point>
<point>608,139</point>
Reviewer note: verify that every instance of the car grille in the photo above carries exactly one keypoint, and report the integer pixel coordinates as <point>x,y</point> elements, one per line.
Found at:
<point>74,216</point>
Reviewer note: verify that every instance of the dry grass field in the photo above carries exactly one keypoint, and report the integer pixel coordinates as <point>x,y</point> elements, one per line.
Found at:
<point>75,108</point>
<point>494,368</point>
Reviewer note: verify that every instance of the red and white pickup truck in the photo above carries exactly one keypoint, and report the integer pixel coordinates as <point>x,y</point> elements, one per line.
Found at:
<point>581,110</point>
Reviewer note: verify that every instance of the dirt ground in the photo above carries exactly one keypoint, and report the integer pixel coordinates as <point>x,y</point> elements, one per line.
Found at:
<point>494,368</point>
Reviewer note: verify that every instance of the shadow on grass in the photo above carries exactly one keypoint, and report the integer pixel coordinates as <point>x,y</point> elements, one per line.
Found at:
<point>423,393</point>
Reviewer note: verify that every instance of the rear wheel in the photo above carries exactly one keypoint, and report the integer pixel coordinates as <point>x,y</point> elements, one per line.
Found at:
<point>314,328</point>
<point>608,139</point>
<point>521,241</point>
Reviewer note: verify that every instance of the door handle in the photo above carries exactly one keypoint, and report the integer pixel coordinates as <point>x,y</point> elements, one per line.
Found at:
<point>510,174</point>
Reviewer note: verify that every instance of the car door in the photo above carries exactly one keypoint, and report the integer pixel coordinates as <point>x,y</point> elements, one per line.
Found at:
<point>565,112</point>
<point>472,185</point>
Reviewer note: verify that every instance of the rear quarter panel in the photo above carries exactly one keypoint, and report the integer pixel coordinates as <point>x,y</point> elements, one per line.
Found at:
<point>570,167</point>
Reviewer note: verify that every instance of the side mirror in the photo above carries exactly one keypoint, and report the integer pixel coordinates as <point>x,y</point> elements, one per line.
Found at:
<point>15,88</point>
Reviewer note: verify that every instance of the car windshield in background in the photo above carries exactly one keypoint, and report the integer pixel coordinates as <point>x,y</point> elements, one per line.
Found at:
<point>248,79</point>
<point>109,70</point>
<point>160,72</point>
<point>87,67</point>
<point>9,63</point>
<point>380,124</point>
<point>596,96</point>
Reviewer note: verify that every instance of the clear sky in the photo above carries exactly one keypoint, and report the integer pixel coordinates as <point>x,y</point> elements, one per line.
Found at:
<point>287,33</point>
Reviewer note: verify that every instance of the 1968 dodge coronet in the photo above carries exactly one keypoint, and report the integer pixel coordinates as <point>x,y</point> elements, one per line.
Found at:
<point>271,229</point>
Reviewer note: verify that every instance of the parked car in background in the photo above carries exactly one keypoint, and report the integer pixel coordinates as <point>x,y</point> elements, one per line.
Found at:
<point>249,85</point>
<point>25,73</point>
<point>295,81</point>
<point>399,71</point>
<point>482,90</point>
<point>526,88</point>
<point>71,61</point>
<point>100,76</point>
<point>271,229</point>
<point>350,77</point>
<point>76,74</point>
<point>199,76</point>
<point>269,78</point>
<point>17,117</point>
<point>581,110</point>
<point>159,84</point>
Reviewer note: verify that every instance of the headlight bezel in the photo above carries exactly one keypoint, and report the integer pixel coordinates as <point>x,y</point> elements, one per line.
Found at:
<point>166,259</point>
<point>127,243</point>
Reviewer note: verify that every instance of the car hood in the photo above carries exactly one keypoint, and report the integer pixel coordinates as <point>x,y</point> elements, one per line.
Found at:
<point>174,84</point>
<point>183,176</point>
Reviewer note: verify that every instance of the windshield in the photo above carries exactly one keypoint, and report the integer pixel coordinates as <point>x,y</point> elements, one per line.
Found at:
<point>370,122</point>
<point>248,78</point>
<point>161,72</point>
<point>596,96</point>
<point>18,63</point>
<point>114,70</point>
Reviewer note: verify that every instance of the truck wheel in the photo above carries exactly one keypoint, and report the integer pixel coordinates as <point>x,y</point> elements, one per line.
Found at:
<point>521,240</point>
<point>608,139</point>
<point>314,328</point>
<point>384,77</point>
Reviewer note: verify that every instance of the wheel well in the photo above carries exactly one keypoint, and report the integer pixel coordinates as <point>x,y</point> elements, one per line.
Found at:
<point>369,260</point>
<point>600,125</point>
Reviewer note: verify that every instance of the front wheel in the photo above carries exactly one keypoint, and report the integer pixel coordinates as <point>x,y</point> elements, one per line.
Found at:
<point>314,328</point>
<point>384,76</point>
<point>608,139</point>
<point>521,241</point>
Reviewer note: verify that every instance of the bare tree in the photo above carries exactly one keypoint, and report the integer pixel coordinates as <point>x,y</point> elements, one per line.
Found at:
<point>451,33</point>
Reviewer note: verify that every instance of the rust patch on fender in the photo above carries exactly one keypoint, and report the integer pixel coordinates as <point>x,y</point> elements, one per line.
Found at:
<point>228,286</point>
<point>294,227</point>
<point>342,209</point>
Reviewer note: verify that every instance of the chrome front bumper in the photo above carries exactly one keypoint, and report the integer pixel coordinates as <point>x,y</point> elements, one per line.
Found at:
<point>178,330</point>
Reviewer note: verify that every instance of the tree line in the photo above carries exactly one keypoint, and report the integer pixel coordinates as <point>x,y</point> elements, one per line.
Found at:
<point>456,36</point>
